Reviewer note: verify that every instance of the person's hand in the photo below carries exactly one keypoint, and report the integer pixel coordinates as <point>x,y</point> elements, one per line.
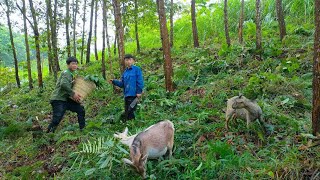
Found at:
<point>76,97</point>
<point>110,81</point>
<point>139,96</point>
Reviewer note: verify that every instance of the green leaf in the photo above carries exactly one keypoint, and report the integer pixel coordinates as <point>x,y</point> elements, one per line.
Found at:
<point>285,101</point>
<point>198,168</point>
<point>271,174</point>
<point>89,172</point>
<point>122,150</point>
<point>106,162</point>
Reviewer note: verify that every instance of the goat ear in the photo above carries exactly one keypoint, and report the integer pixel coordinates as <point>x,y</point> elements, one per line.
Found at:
<point>127,161</point>
<point>125,131</point>
<point>144,158</point>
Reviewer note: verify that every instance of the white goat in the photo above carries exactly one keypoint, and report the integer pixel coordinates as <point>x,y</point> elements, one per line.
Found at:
<point>243,108</point>
<point>153,142</point>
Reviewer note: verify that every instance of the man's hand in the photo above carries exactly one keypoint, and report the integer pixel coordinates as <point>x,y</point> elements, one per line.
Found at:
<point>110,81</point>
<point>139,96</point>
<point>76,97</point>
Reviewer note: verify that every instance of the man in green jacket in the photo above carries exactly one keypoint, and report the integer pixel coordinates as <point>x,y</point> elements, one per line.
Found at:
<point>61,97</point>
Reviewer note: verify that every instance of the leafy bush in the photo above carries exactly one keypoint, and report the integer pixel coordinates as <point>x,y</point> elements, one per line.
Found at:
<point>98,80</point>
<point>13,130</point>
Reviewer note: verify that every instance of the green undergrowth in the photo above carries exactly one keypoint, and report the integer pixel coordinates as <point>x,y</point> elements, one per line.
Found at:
<point>204,79</point>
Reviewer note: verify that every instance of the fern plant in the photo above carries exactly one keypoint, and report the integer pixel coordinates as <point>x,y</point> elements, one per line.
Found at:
<point>89,149</point>
<point>100,153</point>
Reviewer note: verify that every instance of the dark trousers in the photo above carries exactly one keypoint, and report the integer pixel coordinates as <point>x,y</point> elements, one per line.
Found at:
<point>60,107</point>
<point>128,110</point>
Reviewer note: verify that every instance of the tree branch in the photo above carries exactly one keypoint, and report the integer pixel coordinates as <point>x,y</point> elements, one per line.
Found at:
<point>25,16</point>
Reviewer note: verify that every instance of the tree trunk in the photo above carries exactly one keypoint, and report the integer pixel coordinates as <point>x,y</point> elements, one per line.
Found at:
<point>123,16</point>
<point>83,31</point>
<point>165,46</point>
<point>27,45</point>
<point>280,15</point>
<point>56,54</point>
<point>74,29</point>
<point>171,23</point>
<point>104,17</point>
<point>12,45</point>
<point>53,33</point>
<point>107,36</point>
<point>37,43</point>
<point>240,33</point>
<point>108,43</point>
<point>90,33</point>
<point>316,72</point>
<point>95,31</point>
<point>226,24</point>
<point>258,31</point>
<point>119,30</point>
<point>54,40</point>
<point>194,24</point>
<point>136,25</point>
<point>67,21</point>
<point>50,63</point>
<point>115,44</point>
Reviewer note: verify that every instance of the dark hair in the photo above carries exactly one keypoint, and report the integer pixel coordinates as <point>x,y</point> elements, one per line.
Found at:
<point>128,56</point>
<point>71,59</point>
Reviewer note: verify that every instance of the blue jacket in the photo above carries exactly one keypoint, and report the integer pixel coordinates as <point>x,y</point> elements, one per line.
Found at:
<point>131,81</point>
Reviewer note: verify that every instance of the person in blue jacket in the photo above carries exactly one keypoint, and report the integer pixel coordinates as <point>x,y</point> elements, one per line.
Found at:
<point>132,83</point>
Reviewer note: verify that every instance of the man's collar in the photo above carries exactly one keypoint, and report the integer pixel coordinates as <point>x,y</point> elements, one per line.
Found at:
<point>129,67</point>
<point>71,72</point>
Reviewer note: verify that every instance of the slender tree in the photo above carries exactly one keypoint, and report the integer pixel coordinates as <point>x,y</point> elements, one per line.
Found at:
<point>90,33</point>
<point>108,43</point>
<point>83,31</point>
<point>119,34</point>
<point>54,38</point>
<point>316,71</point>
<point>123,10</point>
<point>95,31</point>
<point>194,24</point>
<point>16,69</point>
<point>240,33</point>
<point>171,23</point>
<point>75,11</point>
<point>49,44</point>
<point>280,15</point>
<point>37,43</point>
<point>107,37</point>
<point>136,24</point>
<point>258,27</point>
<point>115,44</point>
<point>67,21</point>
<point>165,46</point>
<point>226,24</point>
<point>27,44</point>
<point>104,13</point>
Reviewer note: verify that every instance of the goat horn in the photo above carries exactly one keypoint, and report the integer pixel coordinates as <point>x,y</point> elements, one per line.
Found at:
<point>144,157</point>
<point>127,161</point>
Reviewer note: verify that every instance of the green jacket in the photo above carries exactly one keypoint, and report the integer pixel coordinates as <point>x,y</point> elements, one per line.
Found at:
<point>63,88</point>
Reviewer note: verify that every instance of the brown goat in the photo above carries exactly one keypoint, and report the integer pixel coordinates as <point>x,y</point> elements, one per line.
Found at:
<point>151,143</point>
